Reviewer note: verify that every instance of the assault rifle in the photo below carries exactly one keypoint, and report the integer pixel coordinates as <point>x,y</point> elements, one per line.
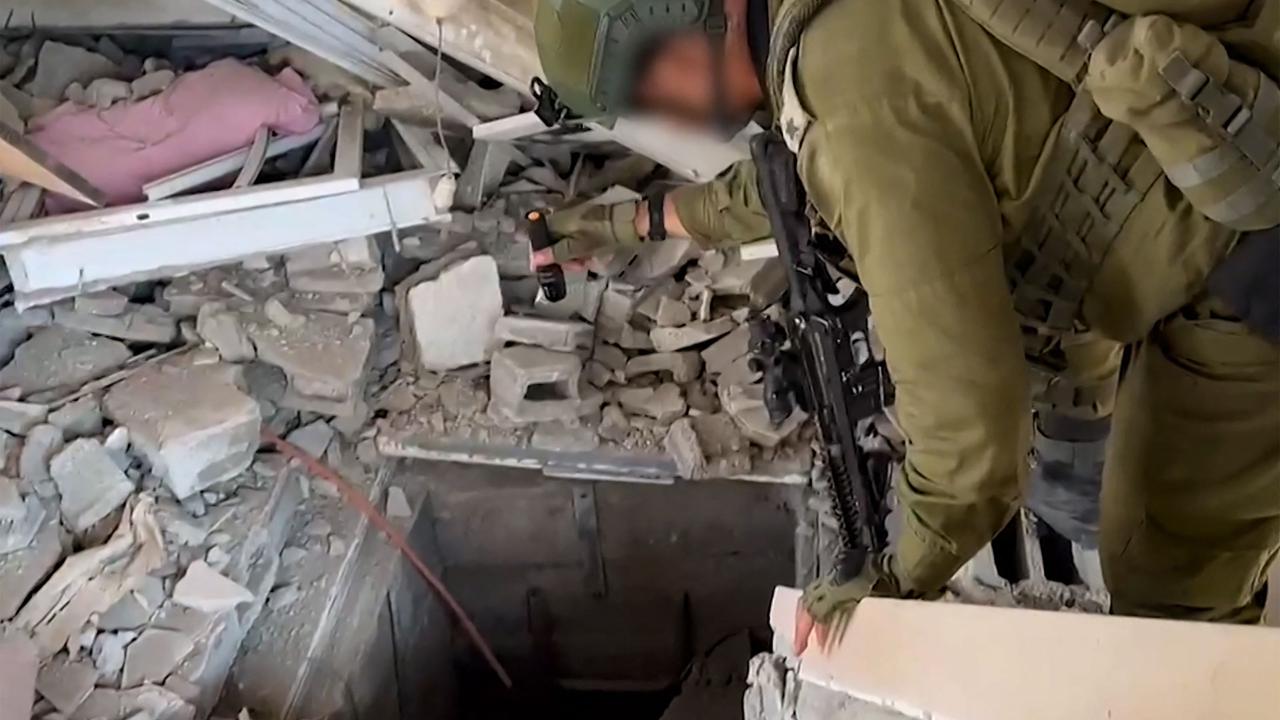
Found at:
<point>819,359</point>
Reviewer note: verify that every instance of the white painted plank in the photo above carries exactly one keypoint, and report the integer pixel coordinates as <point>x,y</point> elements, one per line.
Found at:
<point>348,160</point>
<point>421,142</point>
<point>253,164</point>
<point>164,211</point>
<point>223,166</point>
<point>510,128</point>
<point>51,14</point>
<point>427,90</point>
<point>62,266</point>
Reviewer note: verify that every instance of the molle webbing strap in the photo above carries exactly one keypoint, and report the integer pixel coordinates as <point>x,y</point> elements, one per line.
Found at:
<point>1057,35</point>
<point>1097,174</point>
<point>1244,131</point>
<point>793,17</point>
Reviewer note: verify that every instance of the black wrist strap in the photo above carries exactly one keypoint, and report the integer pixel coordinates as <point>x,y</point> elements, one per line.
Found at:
<point>657,202</point>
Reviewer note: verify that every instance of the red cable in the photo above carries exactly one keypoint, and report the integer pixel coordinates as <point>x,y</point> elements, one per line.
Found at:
<point>358,501</point>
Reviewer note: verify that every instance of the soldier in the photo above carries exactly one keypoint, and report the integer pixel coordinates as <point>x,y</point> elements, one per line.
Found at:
<point>1024,188</point>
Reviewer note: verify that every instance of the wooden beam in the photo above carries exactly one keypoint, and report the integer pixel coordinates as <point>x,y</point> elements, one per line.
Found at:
<point>25,161</point>
<point>348,159</point>
<point>66,263</point>
<point>948,660</point>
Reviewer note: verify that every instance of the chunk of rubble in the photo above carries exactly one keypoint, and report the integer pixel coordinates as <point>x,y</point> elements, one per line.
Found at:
<point>137,606</point>
<point>745,404</point>
<point>531,384</point>
<point>66,684</point>
<point>141,703</point>
<point>683,366</point>
<point>79,418</point>
<point>91,484</point>
<point>152,83</point>
<point>138,323</point>
<point>102,302</point>
<point>398,507</point>
<point>154,655</point>
<point>204,589</point>
<point>43,442</point>
<point>60,65</point>
<point>683,446</point>
<point>761,281</point>
<point>24,569</point>
<point>724,351</point>
<point>108,655</point>
<point>726,448</point>
<point>324,356</point>
<point>313,439</point>
<point>453,317</point>
<point>611,357</point>
<point>672,312</point>
<point>19,418</point>
<point>614,424</point>
<point>564,438</point>
<point>665,403</point>
<point>672,339</point>
<point>351,266</point>
<point>58,357</point>
<point>562,335</point>
<point>224,330</point>
<point>19,664</point>
<point>105,92</point>
<point>193,424</point>
<point>22,526</point>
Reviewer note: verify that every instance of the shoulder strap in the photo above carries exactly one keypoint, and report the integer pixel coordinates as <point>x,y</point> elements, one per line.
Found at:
<point>1057,35</point>
<point>793,17</point>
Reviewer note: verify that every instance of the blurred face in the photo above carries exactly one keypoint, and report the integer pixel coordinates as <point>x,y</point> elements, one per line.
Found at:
<point>678,82</point>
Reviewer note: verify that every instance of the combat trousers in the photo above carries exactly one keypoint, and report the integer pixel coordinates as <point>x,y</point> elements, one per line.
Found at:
<point>1191,487</point>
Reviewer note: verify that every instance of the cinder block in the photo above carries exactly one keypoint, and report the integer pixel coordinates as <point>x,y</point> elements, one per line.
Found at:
<point>531,384</point>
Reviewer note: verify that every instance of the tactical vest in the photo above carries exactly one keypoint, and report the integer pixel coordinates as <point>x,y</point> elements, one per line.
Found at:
<point>1154,98</point>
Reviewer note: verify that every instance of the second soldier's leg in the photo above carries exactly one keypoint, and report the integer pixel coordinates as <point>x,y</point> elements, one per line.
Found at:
<point>1191,495</point>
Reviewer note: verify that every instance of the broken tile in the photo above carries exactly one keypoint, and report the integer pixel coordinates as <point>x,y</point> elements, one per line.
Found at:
<point>66,684</point>
<point>153,656</point>
<point>58,357</point>
<point>193,424</point>
<point>60,65</point>
<point>672,339</point>
<point>224,330</point>
<point>453,316</point>
<point>664,403</point>
<point>530,384</point>
<point>19,418</point>
<point>138,323</point>
<point>43,442</point>
<point>91,485</point>
<point>562,335</point>
<point>683,366</point>
<point>80,418</point>
<point>203,588</point>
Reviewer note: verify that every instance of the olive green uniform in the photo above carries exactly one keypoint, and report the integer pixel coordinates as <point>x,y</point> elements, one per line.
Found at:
<point>930,153</point>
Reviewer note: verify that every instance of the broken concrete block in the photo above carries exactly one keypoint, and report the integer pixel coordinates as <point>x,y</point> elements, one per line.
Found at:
<point>23,570</point>
<point>19,663</point>
<point>108,655</point>
<point>19,532</point>
<point>762,281</point>
<point>745,404</point>
<point>672,339</point>
<point>616,305</point>
<point>60,65</point>
<point>142,703</point>
<point>193,424</point>
<point>80,418</point>
<point>153,83</point>
<point>453,317</point>
<point>562,335</point>
<point>66,684</point>
<point>13,332</point>
<point>139,323</point>
<point>203,588</point>
<point>724,351</point>
<point>153,656</point>
<point>664,403</point>
<point>683,366</point>
<point>398,504</point>
<point>564,438</point>
<point>43,442</point>
<point>598,375</point>
<point>530,384</point>
<point>672,312</point>
<point>614,424</point>
<point>57,357</point>
<point>91,484</point>
<point>324,356</point>
<point>351,266</point>
<point>313,439</point>
<point>12,509</point>
<point>625,336</point>
<point>225,331</point>
<point>137,606</point>
<point>684,448</point>
<point>103,302</point>
<point>610,356</point>
<point>18,418</point>
<point>105,92</point>
<point>740,372</point>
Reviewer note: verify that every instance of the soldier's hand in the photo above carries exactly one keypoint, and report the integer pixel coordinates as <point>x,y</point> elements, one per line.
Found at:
<point>827,607</point>
<point>585,230</point>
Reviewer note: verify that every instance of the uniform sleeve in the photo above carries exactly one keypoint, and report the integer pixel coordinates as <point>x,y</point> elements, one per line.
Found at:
<point>724,212</point>
<point>1205,13</point>
<point>899,177</point>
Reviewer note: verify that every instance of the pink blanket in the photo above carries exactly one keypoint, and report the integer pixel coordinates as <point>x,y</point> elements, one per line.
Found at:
<point>203,115</point>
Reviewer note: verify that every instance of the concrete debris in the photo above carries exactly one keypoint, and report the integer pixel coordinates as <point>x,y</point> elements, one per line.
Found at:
<point>600,376</point>
<point>24,570</point>
<point>562,335</point>
<point>18,668</point>
<point>564,438</point>
<point>672,339</point>
<point>43,442</point>
<point>745,404</point>
<point>18,532</point>
<point>109,654</point>
<point>105,92</point>
<point>453,317</point>
<point>625,336</point>
<point>80,418</point>
<point>762,281</point>
<point>284,597</point>
<point>683,366</point>
<point>724,351</point>
<point>153,83</point>
<point>614,424</point>
<point>193,424</point>
<point>684,448</point>
<point>138,323</point>
<point>60,65</point>
<point>324,356</point>
<point>91,484</point>
<point>529,384</point>
<point>725,447</point>
<point>665,403</point>
<point>398,507</point>
<point>13,332</point>
<point>672,312</point>
<point>350,267</point>
<point>66,684</point>
<point>657,261</point>
<point>225,331</point>
<point>281,316</point>
<point>18,418</point>
<point>611,357</point>
<point>58,357</point>
<point>102,302</point>
<point>154,655</point>
<point>137,606</point>
<point>12,509</point>
<point>313,439</point>
<point>203,588</point>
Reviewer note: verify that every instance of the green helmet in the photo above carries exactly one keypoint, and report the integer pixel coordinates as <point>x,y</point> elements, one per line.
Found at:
<point>592,49</point>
